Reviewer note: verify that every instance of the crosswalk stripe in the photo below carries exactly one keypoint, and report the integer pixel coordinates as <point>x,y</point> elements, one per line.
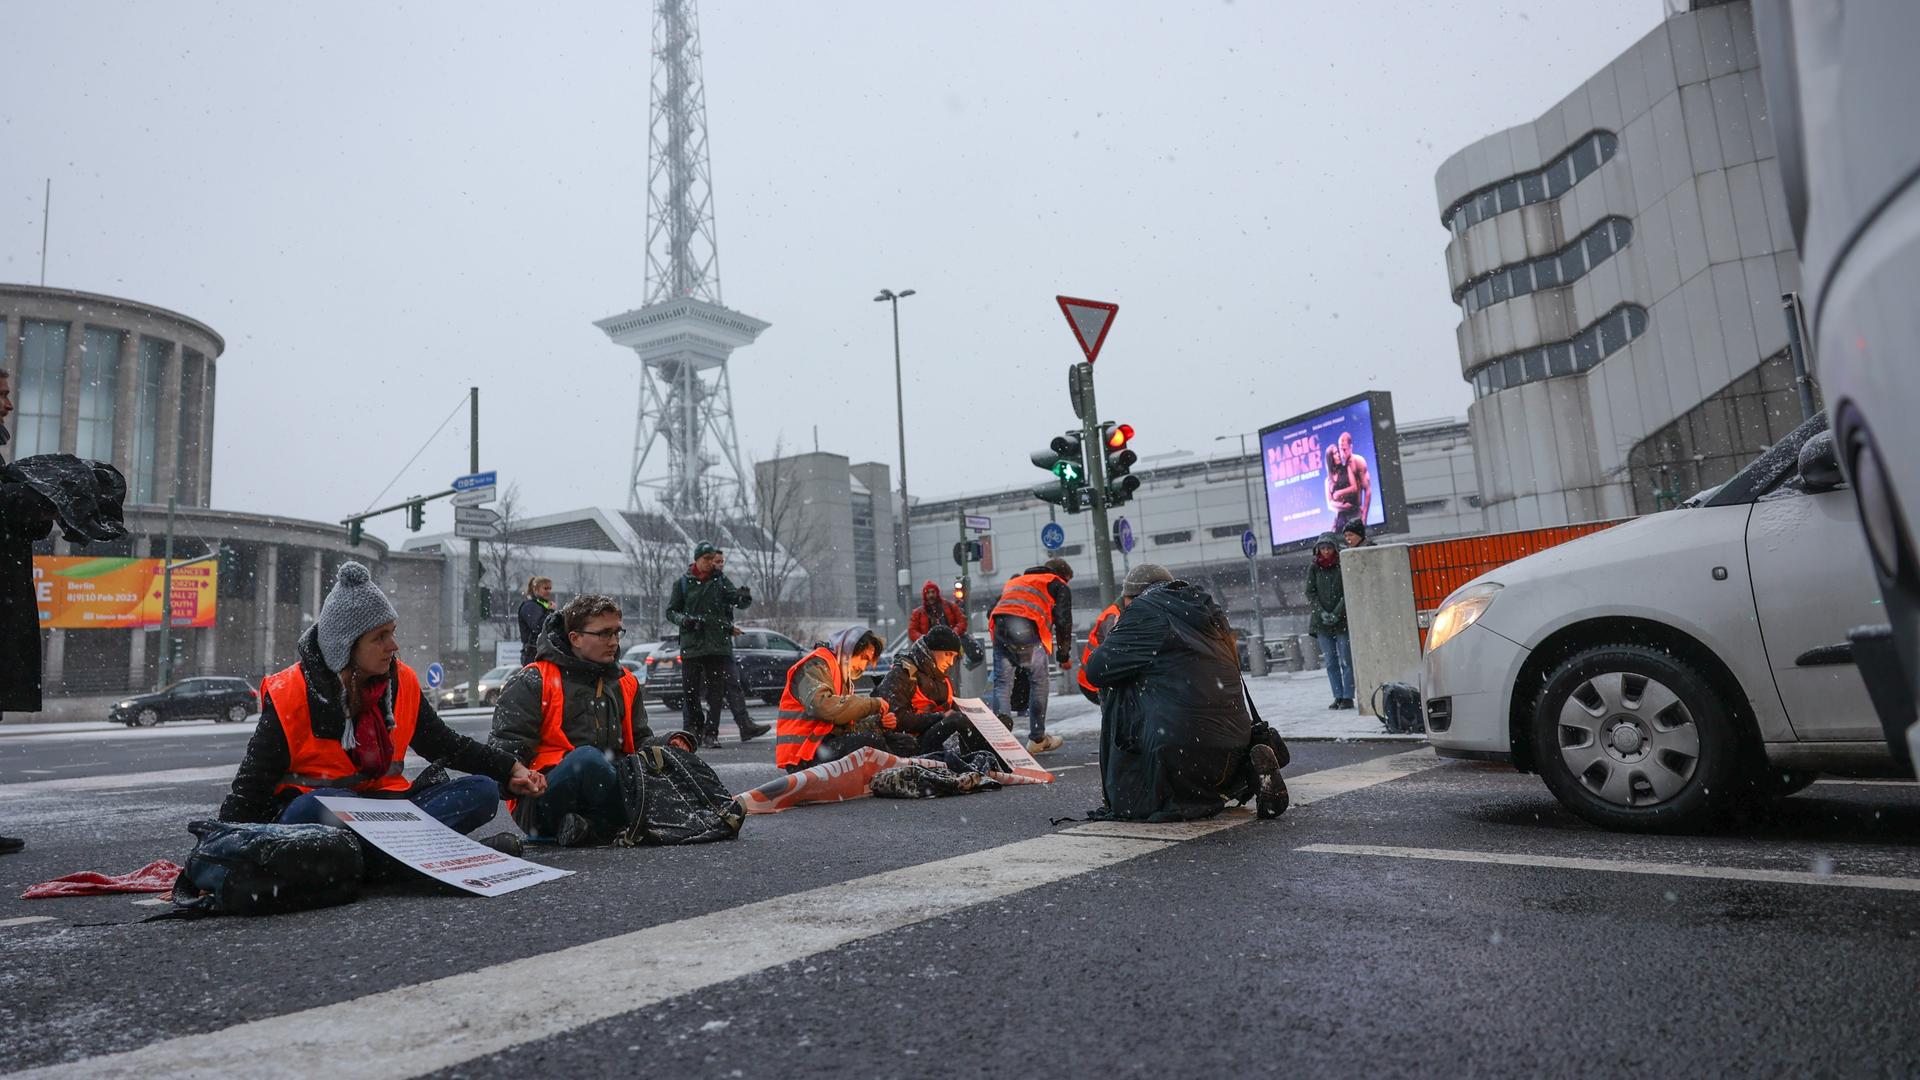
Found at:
<point>462,1017</point>
<point>1621,866</point>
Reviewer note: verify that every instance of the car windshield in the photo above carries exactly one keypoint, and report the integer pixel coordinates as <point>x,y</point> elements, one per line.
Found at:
<point>1766,472</point>
<point>501,672</point>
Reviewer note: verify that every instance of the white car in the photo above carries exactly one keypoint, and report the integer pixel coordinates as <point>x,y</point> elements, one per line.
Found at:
<point>1656,672</point>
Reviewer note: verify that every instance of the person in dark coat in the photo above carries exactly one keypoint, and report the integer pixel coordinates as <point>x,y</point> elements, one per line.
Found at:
<point>920,694</point>
<point>1327,600</point>
<point>1176,739</point>
<point>25,516</point>
<point>533,616</point>
<point>349,654</point>
<point>702,606</point>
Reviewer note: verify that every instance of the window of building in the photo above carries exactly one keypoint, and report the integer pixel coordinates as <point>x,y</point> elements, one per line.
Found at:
<point>1069,550</point>
<point>40,384</point>
<point>1548,182</point>
<point>1604,337</point>
<point>1563,267</point>
<point>99,391</point>
<point>1222,532</point>
<point>1180,536</point>
<point>154,357</point>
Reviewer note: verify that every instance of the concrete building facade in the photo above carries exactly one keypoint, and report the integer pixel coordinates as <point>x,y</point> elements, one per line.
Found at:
<point>1619,264</point>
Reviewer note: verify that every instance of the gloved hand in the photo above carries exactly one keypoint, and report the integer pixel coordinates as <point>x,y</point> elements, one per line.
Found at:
<point>743,596</point>
<point>692,625</point>
<point>887,719</point>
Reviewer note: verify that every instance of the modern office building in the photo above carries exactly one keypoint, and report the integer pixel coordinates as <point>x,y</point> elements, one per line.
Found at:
<point>1619,264</point>
<point>1189,515</point>
<point>129,383</point>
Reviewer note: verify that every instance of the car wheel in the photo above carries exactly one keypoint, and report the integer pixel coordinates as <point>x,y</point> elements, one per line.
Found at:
<point>1634,738</point>
<point>147,717</point>
<point>236,713</point>
<point>490,698</point>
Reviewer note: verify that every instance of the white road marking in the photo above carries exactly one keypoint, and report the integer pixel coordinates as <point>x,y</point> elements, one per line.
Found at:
<point>36,772</point>
<point>152,902</point>
<point>26,920</point>
<point>1621,866</point>
<point>112,781</point>
<point>463,1017</point>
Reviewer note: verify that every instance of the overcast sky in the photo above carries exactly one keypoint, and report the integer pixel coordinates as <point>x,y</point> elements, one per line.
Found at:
<point>381,204</point>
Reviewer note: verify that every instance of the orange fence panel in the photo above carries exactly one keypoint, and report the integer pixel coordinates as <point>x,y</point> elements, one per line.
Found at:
<point>1441,566</point>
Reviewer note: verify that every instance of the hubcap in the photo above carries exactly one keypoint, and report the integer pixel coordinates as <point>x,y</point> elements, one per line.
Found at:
<point>1628,739</point>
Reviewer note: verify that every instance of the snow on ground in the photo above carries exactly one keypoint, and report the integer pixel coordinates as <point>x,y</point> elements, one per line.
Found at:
<point>1295,703</point>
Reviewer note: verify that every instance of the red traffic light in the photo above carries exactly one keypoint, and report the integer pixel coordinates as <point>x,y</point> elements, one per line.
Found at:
<point>1118,436</point>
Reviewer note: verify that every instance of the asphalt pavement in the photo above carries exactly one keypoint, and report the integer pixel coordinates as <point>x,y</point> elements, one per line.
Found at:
<point>1408,917</point>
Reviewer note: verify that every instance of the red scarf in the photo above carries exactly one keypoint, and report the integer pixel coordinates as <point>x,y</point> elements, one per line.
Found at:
<point>694,569</point>
<point>373,753</point>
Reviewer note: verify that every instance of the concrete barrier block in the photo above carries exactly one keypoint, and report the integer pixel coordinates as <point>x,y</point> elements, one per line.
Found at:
<point>1381,619</point>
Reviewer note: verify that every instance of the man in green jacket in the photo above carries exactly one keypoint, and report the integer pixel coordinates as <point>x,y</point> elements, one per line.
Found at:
<point>702,606</point>
<point>1327,597</point>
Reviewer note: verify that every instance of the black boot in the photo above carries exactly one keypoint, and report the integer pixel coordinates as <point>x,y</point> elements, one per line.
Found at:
<point>11,844</point>
<point>750,731</point>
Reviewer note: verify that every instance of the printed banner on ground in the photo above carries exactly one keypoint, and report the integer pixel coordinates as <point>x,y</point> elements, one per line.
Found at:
<point>83,593</point>
<point>407,833</point>
<point>1012,753</point>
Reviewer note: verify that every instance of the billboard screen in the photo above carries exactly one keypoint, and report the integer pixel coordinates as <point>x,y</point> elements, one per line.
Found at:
<point>1331,466</point>
<point>85,593</point>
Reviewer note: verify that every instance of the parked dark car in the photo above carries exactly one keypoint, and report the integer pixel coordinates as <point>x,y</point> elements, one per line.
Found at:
<point>221,698</point>
<point>764,656</point>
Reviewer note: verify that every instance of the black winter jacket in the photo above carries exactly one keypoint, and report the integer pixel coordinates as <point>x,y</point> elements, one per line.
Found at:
<point>708,606</point>
<point>253,797</point>
<point>1174,729</point>
<point>25,516</point>
<point>533,616</point>
<point>914,668</point>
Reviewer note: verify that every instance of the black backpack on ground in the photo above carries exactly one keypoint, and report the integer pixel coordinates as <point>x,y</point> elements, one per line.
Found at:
<point>673,797</point>
<point>1398,707</point>
<point>245,869</point>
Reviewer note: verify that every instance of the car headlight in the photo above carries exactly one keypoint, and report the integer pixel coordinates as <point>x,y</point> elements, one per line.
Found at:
<point>1461,610</point>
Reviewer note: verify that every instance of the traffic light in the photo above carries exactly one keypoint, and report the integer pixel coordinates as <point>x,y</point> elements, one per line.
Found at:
<point>353,533</point>
<point>1121,484</point>
<point>416,516</point>
<point>1066,459</point>
<point>959,591</point>
<point>486,602</point>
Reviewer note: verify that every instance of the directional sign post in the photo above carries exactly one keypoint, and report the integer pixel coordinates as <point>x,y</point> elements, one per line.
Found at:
<point>435,675</point>
<point>1248,543</point>
<point>1090,320</point>
<point>1052,536</point>
<point>979,524</point>
<point>1123,535</point>
<point>476,496</point>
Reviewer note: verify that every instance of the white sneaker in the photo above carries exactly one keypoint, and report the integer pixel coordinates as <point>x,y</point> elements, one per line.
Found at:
<point>1043,745</point>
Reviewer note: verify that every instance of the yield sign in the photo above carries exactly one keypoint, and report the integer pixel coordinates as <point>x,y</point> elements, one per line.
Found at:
<point>1090,319</point>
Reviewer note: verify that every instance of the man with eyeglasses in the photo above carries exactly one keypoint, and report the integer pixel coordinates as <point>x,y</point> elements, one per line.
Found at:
<point>567,715</point>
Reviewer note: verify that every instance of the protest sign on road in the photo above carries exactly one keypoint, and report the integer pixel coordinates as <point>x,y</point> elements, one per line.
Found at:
<point>407,833</point>
<point>1013,754</point>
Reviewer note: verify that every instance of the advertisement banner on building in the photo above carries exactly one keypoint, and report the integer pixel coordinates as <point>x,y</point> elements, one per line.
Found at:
<point>84,593</point>
<point>1336,464</point>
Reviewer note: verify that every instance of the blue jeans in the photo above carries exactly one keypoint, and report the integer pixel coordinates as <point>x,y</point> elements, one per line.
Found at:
<point>1338,651</point>
<point>462,805</point>
<point>1016,646</point>
<point>585,783</point>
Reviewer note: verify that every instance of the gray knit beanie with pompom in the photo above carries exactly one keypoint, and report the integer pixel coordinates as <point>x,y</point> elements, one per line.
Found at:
<point>354,606</point>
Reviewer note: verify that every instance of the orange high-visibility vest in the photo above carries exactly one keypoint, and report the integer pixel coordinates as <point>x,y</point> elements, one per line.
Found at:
<point>921,703</point>
<point>323,763</point>
<point>797,736</point>
<point>554,743</point>
<point>1093,642</point>
<point>1026,595</point>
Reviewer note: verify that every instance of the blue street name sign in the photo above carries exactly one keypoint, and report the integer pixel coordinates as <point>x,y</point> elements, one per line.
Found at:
<point>475,480</point>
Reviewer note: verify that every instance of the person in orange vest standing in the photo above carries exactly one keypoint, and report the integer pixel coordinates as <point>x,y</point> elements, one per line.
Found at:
<point>823,717</point>
<point>1030,625</point>
<point>1100,626</point>
<point>341,719</point>
<point>567,715</point>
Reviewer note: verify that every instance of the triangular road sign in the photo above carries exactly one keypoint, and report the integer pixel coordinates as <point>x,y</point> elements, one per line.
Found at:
<point>1090,319</point>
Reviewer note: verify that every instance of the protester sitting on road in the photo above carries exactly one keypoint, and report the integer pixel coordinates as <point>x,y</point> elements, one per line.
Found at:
<point>1179,742</point>
<point>567,715</point>
<point>533,615</point>
<point>822,718</point>
<point>340,720</point>
<point>935,610</point>
<point>920,694</point>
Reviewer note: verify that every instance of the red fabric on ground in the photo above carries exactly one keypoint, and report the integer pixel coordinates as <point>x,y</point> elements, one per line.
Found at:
<point>153,877</point>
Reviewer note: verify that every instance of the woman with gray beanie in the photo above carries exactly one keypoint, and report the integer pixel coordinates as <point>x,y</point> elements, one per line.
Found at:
<point>341,718</point>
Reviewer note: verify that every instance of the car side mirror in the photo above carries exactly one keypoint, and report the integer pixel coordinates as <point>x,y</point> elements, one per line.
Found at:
<point>1820,464</point>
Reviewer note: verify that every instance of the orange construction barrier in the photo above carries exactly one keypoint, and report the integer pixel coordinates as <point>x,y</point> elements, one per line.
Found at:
<point>1441,566</point>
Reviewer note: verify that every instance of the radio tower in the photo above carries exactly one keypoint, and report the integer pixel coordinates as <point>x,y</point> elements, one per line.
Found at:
<point>686,455</point>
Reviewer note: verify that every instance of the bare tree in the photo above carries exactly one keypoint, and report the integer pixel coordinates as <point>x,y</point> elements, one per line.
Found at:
<point>781,558</point>
<point>652,566</point>
<point>504,561</point>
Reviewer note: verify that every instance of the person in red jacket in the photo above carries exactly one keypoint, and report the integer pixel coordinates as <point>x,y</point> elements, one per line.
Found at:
<point>935,610</point>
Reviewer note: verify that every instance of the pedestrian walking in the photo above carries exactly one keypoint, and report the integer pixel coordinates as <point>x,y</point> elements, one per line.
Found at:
<point>25,516</point>
<point>702,606</point>
<point>1031,625</point>
<point>342,717</point>
<point>1327,598</point>
<point>533,616</point>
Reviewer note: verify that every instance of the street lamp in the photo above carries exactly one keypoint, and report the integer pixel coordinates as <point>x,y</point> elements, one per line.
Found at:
<point>1257,652</point>
<point>888,296</point>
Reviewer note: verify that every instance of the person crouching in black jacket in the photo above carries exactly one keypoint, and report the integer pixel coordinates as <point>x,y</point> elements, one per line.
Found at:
<point>920,694</point>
